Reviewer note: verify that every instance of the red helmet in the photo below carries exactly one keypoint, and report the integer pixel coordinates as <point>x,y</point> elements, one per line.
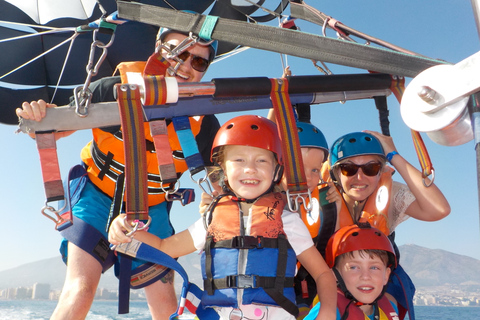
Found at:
<point>358,237</point>
<point>251,131</point>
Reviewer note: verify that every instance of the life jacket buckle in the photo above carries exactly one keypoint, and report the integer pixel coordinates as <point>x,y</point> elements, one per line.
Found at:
<point>244,281</point>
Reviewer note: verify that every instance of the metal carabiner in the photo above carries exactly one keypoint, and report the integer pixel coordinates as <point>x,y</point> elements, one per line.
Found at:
<point>431,180</point>
<point>138,226</point>
<point>59,219</point>
<point>205,180</point>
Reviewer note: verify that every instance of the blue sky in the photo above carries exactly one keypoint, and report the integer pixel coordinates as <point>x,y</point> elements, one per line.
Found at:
<point>438,29</point>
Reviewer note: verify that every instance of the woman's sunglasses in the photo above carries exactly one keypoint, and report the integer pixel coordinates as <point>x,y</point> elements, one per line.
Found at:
<point>198,63</point>
<point>370,169</point>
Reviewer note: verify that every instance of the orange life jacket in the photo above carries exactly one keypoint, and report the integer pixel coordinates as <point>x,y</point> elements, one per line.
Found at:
<point>108,146</point>
<point>266,217</point>
<point>312,219</point>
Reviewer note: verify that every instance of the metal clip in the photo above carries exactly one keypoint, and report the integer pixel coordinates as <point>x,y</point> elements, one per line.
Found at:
<point>204,180</point>
<point>138,226</point>
<point>294,201</point>
<point>54,214</point>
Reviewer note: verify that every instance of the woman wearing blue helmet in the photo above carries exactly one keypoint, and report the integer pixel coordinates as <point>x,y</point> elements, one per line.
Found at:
<point>364,181</point>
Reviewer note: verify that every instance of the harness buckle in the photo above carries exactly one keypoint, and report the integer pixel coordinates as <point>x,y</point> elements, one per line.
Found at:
<point>185,196</point>
<point>244,281</point>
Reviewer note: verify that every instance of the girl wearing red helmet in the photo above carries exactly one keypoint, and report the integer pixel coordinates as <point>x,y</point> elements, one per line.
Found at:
<point>362,258</point>
<point>251,244</point>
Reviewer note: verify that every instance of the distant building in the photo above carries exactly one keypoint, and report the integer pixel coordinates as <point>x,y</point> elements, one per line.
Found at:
<point>21,293</point>
<point>41,291</point>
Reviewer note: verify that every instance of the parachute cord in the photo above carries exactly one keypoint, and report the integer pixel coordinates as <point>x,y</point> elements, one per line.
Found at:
<point>40,55</point>
<point>50,31</point>
<point>230,54</point>
<point>63,66</point>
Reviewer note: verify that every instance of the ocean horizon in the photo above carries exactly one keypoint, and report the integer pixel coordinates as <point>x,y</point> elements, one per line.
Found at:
<point>108,310</point>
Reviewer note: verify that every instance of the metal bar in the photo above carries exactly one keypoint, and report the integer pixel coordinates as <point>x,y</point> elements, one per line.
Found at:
<point>106,113</point>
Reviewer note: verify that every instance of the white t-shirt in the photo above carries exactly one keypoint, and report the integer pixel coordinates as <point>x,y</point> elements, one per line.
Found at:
<point>401,199</point>
<point>298,237</point>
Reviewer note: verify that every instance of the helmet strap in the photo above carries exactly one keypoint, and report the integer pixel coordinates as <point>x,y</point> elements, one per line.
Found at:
<point>341,285</point>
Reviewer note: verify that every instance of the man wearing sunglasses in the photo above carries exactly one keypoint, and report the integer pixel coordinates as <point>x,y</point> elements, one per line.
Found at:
<point>189,58</point>
<point>359,169</point>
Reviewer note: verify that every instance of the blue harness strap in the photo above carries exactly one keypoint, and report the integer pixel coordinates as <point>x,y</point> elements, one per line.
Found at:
<point>189,145</point>
<point>145,252</point>
<point>90,240</point>
<point>401,287</point>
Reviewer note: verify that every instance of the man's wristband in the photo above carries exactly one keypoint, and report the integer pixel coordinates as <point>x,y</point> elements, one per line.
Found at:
<point>390,156</point>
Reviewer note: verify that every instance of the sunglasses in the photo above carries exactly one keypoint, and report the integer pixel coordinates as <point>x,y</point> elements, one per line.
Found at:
<point>198,63</point>
<point>370,169</point>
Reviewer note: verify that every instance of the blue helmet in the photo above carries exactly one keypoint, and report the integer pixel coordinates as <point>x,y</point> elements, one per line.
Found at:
<point>355,144</point>
<point>311,137</point>
<point>212,44</point>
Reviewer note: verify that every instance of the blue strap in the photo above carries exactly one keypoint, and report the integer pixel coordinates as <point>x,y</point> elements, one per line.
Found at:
<point>145,252</point>
<point>189,145</point>
<point>208,27</point>
<point>124,283</point>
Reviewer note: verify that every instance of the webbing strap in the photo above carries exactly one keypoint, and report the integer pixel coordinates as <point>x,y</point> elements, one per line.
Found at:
<point>292,156</point>
<point>52,181</point>
<point>166,166</point>
<point>131,115</point>
<point>276,293</point>
<point>286,41</point>
<point>422,154</point>
<point>155,90</point>
<point>398,88</point>
<point>156,65</point>
<point>207,27</point>
<point>189,145</point>
<point>145,252</point>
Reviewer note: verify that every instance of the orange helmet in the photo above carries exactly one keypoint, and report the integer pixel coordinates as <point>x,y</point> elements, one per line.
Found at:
<point>358,237</point>
<point>251,131</point>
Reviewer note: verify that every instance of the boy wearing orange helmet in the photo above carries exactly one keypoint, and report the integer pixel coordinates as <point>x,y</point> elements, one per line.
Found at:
<point>361,258</point>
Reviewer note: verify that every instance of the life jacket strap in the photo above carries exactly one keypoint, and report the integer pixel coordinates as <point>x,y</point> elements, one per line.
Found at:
<point>242,281</point>
<point>248,242</point>
<point>113,168</point>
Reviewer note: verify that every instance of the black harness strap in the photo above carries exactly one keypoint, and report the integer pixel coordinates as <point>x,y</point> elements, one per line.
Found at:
<point>276,293</point>
<point>327,229</point>
<point>291,42</point>
<point>381,104</point>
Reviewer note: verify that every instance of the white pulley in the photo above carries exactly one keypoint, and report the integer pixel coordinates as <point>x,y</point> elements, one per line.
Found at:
<point>436,100</point>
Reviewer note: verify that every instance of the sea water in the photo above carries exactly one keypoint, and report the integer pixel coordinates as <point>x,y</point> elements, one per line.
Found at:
<point>107,310</point>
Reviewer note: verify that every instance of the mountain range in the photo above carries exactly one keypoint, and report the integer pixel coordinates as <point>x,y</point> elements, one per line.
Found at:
<point>426,267</point>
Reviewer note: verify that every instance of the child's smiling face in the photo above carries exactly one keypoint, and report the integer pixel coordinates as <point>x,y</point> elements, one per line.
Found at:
<point>364,275</point>
<point>248,170</point>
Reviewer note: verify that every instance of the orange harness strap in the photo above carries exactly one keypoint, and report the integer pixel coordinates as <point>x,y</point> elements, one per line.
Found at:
<point>131,115</point>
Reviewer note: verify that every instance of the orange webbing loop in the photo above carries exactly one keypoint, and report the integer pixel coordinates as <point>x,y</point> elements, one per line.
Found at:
<point>166,165</point>
<point>398,88</point>
<point>47,149</point>
<point>287,127</point>
<point>155,90</point>
<point>156,65</point>
<point>131,116</point>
